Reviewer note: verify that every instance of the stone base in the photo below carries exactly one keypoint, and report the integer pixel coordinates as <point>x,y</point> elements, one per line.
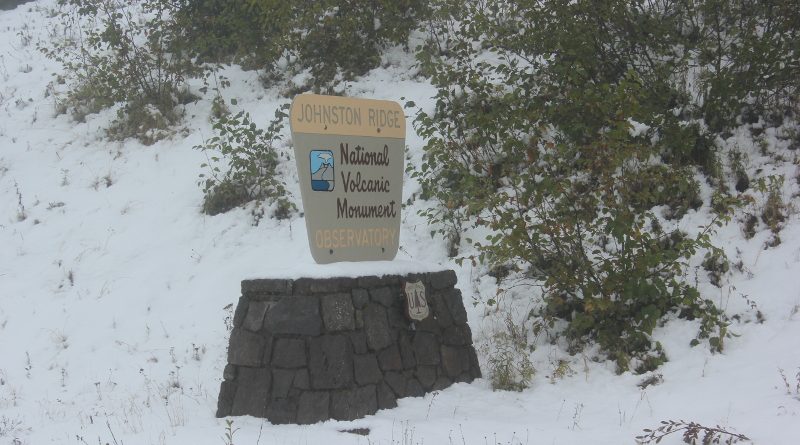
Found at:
<point>308,350</point>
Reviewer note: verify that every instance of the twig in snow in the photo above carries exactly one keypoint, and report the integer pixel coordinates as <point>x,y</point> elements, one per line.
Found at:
<point>691,433</point>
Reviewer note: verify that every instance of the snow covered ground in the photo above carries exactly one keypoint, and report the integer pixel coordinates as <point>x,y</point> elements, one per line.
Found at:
<point>114,288</point>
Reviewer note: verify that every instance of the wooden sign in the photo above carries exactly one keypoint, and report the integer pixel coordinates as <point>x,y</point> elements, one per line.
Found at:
<point>350,155</point>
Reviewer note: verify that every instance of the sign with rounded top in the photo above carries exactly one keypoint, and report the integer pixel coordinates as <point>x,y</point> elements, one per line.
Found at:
<point>350,154</point>
<point>416,301</point>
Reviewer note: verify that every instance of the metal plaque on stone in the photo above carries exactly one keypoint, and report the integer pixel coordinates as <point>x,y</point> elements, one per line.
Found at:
<point>416,301</point>
<point>350,154</point>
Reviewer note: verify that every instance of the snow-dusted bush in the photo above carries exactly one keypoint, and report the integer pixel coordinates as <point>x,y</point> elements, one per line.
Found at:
<point>332,39</point>
<point>745,56</point>
<point>569,137</point>
<point>120,52</point>
<point>241,165</point>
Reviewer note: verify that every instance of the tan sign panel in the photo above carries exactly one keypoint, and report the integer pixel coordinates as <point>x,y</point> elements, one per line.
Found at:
<point>347,116</point>
<point>350,156</point>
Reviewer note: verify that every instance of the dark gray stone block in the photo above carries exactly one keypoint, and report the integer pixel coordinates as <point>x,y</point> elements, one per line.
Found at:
<point>240,312</point>
<point>406,351</point>
<point>252,388</point>
<point>282,380</point>
<point>457,335</point>
<point>386,397</point>
<point>350,404</point>
<point>344,284</point>
<point>229,373</point>
<point>474,365</point>
<point>456,306</point>
<point>308,286</point>
<point>313,407</point>
<point>386,296</point>
<point>301,379</point>
<point>294,315</point>
<point>426,376</point>
<point>331,362</point>
<point>414,388</point>
<point>397,318</point>
<point>359,341</point>
<point>227,392</point>
<point>289,353</point>
<point>366,369</point>
<point>443,279</point>
<point>426,349</point>
<point>390,359</point>
<point>429,325</point>
<point>359,319</point>
<point>282,411</point>
<point>441,383</point>
<point>454,361</point>
<point>376,326</point>
<point>260,288</point>
<point>303,286</point>
<point>397,382</point>
<point>267,350</point>
<point>338,312</point>
<point>415,277</point>
<point>465,377</point>
<point>372,281</point>
<point>256,311</point>
<point>439,310</point>
<point>246,348</point>
<point>360,298</point>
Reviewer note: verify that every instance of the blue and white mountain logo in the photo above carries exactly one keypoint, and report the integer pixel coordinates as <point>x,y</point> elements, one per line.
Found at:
<point>322,179</point>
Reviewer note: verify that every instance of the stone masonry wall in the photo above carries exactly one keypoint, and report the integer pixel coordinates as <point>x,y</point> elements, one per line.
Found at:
<point>308,350</point>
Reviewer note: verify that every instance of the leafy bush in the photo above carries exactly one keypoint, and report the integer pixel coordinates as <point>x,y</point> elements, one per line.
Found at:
<point>748,58</point>
<point>231,31</point>
<point>242,165</point>
<point>553,135</point>
<point>717,265</point>
<point>657,185</point>
<point>123,52</point>
<point>329,38</point>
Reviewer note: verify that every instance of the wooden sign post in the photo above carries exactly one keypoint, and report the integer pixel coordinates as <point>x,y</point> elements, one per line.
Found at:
<point>350,155</point>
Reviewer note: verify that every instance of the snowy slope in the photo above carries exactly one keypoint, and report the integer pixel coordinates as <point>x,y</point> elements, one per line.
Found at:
<point>114,288</point>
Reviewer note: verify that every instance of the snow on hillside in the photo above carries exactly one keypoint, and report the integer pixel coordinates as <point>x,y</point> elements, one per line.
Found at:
<point>115,290</point>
